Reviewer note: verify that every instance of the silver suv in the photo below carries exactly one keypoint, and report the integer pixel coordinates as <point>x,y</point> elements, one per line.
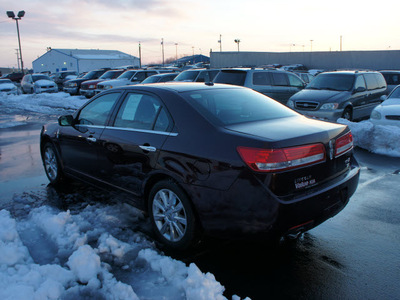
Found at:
<point>277,84</point>
<point>340,94</point>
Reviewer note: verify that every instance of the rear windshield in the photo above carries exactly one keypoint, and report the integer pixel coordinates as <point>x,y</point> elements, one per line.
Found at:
<point>187,76</point>
<point>234,106</point>
<point>334,82</point>
<point>231,77</point>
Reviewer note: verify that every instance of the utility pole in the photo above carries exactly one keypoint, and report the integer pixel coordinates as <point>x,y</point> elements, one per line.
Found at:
<point>193,54</point>
<point>340,43</point>
<point>220,43</point>
<point>311,44</point>
<point>176,54</point>
<point>140,55</point>
<point>162,44</point>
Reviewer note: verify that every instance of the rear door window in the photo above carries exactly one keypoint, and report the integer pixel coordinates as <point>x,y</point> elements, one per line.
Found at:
<point>295,81</point>
<point>280,79</point>
<point>142,111</point>
<point>262,78</point>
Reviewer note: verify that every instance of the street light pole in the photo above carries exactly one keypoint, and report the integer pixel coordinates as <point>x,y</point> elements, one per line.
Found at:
<point>237,41</point>
<point>11,15</point>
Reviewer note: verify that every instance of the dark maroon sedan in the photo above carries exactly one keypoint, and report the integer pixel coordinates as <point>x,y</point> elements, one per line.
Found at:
<point>206,159</point>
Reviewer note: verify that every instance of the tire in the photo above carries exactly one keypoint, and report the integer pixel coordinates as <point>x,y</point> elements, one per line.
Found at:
<point>52,164</point>
<point>172,216</point>
<point>347,114</point>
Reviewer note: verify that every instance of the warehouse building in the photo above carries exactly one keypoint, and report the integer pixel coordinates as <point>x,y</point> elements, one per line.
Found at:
<point>55,60</point>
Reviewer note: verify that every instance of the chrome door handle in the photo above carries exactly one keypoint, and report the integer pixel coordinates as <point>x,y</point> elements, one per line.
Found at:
<point>148,148</point>
<point>91,139</point>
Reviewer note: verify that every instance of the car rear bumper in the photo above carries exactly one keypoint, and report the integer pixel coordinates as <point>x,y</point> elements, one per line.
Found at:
<point>248,209</point>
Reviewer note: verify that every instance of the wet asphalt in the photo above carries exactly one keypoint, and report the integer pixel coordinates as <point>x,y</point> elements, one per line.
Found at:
<point>354,255</point>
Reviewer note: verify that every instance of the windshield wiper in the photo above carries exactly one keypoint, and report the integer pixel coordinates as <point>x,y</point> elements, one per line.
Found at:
<point>312,88</point>
<point>329,89</point>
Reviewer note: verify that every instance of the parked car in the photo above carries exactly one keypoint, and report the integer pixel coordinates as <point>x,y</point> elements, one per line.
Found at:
<point>88,87</point>
<point>15,77</point>
<point>73,86</point>
<point>8,87</point>
<point>129,77</point>
<point>160,78</point>
<point>392,78</point>
<point>277,84</point>
<point>38,83</point>
<point>206,159</point>
<point>197,75</point>
<point>294,67</point>
<point>388,113</point>
<point>350,95</point>
<point>60,77</point>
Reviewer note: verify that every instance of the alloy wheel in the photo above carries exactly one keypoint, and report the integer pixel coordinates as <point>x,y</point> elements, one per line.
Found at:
<point>50,163</point>
<point>169,215</point>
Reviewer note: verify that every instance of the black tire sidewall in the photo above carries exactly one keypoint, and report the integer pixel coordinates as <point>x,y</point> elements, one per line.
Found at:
<point>190,234</point>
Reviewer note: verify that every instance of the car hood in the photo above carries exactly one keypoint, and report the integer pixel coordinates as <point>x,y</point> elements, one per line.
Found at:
<point>7,86</point>
<point>391,102</point>
<point>289,128</point>
<point>43,82</point>
<point>78,80</point>
<point>320,96</point>
<point>116,82</point>
<point>94,81</point>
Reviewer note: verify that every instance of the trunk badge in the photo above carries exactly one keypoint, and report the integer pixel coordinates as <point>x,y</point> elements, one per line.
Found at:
<point>331,149</point>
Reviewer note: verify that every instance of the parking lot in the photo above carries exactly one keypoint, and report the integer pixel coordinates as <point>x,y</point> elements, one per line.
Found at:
<point>351,256</point>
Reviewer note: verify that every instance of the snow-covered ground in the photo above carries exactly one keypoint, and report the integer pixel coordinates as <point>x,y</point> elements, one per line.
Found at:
<point>88,251</point>
<point>92,250</point>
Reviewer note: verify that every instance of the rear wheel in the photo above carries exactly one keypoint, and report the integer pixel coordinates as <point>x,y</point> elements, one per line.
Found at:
<point>52,164</point>
<point>347,114</point>
<point>171,215</point>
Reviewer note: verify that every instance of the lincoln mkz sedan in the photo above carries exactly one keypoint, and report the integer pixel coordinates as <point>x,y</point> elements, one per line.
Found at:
<point>204,159</point>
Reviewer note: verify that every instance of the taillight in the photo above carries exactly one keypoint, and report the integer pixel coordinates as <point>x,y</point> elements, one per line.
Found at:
<point>270,160</point>
<point>343,144</point>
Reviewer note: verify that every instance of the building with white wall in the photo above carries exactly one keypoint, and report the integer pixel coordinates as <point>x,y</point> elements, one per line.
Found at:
<point>55,60</point>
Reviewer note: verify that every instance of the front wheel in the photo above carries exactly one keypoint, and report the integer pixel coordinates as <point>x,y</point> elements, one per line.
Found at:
<point>51,164</point>
<point>171,215</point>
<point>347,114</point>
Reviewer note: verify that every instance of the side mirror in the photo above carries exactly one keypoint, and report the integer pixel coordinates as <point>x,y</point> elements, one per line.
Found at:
<point>383,97</point>
<point>360,89</point>
<point>67,120</point>
<point>134,79</point>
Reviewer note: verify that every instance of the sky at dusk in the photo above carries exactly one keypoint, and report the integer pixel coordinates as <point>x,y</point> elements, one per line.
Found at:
<point>196,26</point>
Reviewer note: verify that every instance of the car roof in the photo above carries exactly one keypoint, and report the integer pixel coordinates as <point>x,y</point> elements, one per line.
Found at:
<point>179,87</point>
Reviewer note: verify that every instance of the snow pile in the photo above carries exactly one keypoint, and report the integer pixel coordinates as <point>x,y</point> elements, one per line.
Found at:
<point>195,284</point>
<point>91,253</point>
<point>42,103</point>
<point>380,139</point>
